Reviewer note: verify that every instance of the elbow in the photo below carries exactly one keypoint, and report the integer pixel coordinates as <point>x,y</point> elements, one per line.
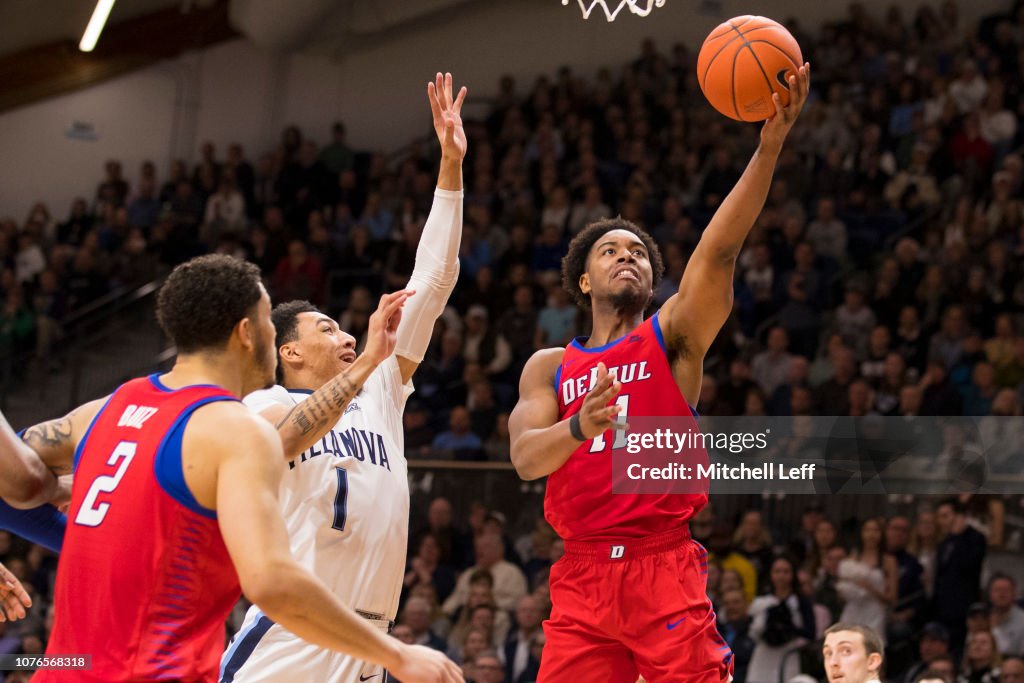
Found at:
<point>526,470</point>
<point>267,588</point>
<point>30,492</point>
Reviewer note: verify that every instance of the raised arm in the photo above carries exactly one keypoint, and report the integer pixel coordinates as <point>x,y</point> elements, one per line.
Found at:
<point>306,423</point>
<point>691,319</point>
<point>30,466</point>
<point>436,267</point>
<point>541,443</point>
<point>247,453</point>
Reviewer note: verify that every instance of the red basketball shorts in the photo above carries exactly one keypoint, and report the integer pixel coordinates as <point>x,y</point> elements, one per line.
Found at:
<point>633,607</point>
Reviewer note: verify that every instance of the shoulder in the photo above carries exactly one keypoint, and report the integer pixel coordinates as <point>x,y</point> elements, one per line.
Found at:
<point>541,367</point>
<point>229,424</point>
<point>275,395</point>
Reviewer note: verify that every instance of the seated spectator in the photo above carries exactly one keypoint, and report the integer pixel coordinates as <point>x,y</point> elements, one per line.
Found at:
<point>487,668</point>
<point>459,441</point>
<point>933,645</point>
<point>734,626</point>
<point>426,567</point>
<point>557,321</point>
<point>483,344</point>
<point>299,276</point>
<point>1006,617</point>
<point>826,233</point>
<point>417,616</point>
<point>771,367</point>
<point>509,582</point>
<point>981,659</point>
<point>519,662</point>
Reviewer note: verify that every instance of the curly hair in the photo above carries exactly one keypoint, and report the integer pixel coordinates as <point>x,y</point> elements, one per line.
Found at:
<point>286,321</point>
<point>203,299</point>
<point>574,263</point>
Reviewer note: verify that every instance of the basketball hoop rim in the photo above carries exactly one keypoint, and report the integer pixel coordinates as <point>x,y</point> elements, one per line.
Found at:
<point>641,8</point>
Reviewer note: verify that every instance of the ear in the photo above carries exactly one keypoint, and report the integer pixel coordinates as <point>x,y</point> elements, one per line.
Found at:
<point>246,333</point>
<point>585,283</point>
<point>874,662</point>
<point>290,353</point>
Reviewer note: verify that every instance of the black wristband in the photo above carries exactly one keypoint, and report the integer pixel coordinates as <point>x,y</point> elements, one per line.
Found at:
<point>575,429</point>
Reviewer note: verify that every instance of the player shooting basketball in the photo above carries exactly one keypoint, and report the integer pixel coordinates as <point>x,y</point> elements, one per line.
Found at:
<point>345,494</point>
<point>629,594</point>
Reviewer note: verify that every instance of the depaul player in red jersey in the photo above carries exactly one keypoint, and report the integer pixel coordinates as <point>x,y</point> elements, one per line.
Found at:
<point>629,594</point>
<point>174,501</point>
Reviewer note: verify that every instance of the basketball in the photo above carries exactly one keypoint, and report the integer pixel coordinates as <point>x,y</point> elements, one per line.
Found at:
<point>742,62</point>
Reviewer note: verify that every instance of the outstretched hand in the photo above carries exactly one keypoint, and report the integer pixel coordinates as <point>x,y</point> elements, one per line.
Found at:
<point>14,600</point>
<point>382,332</point>
<point>448,115</point>
<point>775,129</point>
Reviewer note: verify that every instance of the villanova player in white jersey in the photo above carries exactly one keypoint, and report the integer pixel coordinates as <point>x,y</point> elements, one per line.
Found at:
<point>345,496</point>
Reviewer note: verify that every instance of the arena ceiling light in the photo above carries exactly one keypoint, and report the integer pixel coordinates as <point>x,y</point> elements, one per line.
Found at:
<point>96,24</point>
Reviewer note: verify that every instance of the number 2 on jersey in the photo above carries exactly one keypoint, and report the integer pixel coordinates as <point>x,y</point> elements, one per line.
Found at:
<point>597,445</point>
<point>341,500</point>
<point>91,513</point>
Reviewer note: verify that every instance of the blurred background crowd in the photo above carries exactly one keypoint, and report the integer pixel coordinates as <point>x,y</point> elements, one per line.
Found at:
<point>883,277</point>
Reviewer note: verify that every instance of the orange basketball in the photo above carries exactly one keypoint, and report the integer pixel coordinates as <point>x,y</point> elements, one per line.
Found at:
<point>745,60</point>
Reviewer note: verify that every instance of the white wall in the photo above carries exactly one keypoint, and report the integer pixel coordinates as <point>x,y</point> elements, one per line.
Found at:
<point>236,92</point>
<point>132,117</point>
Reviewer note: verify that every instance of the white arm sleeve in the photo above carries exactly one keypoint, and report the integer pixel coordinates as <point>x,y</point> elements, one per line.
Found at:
<point>433,275</point>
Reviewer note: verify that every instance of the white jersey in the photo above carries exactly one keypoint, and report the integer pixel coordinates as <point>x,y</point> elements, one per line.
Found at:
<point>345,502</point>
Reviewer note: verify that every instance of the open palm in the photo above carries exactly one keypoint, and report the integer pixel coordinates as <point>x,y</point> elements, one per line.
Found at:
<point>448,115</point>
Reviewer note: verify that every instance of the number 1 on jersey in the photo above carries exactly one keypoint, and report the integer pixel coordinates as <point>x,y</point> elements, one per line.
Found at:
<point>341,500</point>
<point>597,444</point>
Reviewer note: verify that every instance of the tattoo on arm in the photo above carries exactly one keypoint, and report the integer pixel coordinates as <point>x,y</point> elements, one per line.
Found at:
<point>55,434</point>
<point>323,407</point>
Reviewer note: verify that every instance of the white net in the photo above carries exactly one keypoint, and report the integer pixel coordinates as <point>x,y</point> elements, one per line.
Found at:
<point>640,7</point>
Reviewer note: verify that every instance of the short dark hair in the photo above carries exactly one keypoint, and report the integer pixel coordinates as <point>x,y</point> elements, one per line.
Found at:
<point>203,299</point>
<point>481,576</point>
<point>931,675</point>
<point>574,263</point>
<point>872,641</point>
<point>286,321</point>
<point>1000,576</point>
<point>958,507</point>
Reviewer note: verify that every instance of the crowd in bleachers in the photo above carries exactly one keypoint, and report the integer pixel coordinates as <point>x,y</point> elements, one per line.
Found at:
<point>883,277</point>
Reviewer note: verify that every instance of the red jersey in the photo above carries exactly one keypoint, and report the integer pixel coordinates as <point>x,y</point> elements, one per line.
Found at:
<point>144,582</point>
<point>579,503</point>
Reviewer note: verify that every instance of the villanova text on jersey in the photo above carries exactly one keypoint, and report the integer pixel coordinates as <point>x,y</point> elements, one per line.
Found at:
<point>362,444</point>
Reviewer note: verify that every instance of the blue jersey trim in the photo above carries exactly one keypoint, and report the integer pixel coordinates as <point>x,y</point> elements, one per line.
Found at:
<point>154,379</point>
<point>168,467</point>
<point>43,525</point>
<point>657,332</point>
<point>578,344</point>
<point>243,646</point>
<point>81,444</point>
<point>558,377</point>
<point>308,392</point>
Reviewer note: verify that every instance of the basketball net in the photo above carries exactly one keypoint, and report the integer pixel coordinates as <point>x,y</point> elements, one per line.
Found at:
<point>641,7</point>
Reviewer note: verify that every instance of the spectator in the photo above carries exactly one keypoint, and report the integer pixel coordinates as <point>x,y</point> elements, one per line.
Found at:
<point>868,580</point>
<point>458,441</point>
<point>734,626</point>
<point>827,234</point>
<point>337,156</point>
<point>720,545</point>
<point>299,276</point>
<point>934,643</point>
<point>981,659</point>
<point>771,367</point>
<point>782,621</point>
<point>487,668</point>
<point>509,582</point>
<point>557,322</point>
<point>1006,617</point>
<point>417,616</point>
<point>519,664</point>
<point>426,567</point>
<point>853,653</point>
<point>910,594</point>
<point>485,345</point>
<point>959,558</point>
